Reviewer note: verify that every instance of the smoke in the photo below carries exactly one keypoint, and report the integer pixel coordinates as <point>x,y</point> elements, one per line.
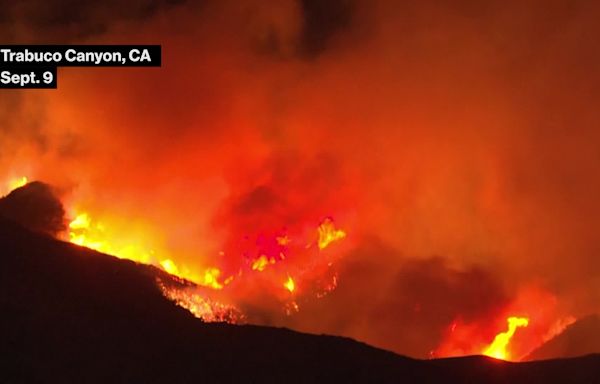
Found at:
<point>455,142</point>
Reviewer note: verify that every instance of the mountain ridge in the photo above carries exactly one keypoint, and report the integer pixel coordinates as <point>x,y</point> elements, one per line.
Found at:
<point>71,314</point>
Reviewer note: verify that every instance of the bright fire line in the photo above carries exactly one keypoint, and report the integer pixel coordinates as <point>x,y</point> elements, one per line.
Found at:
<point>85,232</point>
<point>497,349</point>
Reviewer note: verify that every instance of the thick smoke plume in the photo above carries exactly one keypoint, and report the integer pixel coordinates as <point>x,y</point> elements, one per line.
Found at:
<point>455,142</point>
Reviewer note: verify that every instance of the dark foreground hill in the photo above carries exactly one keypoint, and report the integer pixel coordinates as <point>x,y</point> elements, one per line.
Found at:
<point>71,315</point>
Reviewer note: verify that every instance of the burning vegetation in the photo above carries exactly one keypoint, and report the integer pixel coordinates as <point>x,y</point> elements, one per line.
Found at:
<point>279,249</point>
<point>200,305</point>
<point>498,347</point>
<point>271,257</point>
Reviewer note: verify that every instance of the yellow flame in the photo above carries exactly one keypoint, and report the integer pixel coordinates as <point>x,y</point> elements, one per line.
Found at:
<point>17,183</point>
<point>289,284</point>
<point>328,233</point>
<point>13,184</point>
<point>169,266</point>
<point>86,232</point>
<point>497,349</point>
<point>211,278</point>
<point>261,263</point>
<point>82,221</point>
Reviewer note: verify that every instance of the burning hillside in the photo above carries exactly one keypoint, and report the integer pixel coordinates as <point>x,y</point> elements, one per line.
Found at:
<point>275,257</point>
<point>420,177</point>
<point>270,260</point>
<point>71,314</point>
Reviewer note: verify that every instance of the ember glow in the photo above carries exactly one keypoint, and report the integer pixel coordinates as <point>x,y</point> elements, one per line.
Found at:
<point>85,232</point>
<point>498,349</point>
<point>200,306</point>
<point>503,335</point>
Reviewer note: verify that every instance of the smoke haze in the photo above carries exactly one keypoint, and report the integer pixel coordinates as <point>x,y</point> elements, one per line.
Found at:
<point>456,143</point>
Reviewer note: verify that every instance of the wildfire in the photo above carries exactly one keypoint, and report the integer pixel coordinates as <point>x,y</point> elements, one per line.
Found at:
<point>124,240</point>
<point>328,233</point>
<point>283,240</point>
<point>262,262</point>
<point>169,266</point>
<point>211,278</point>
<point>497,349</point>
<point>88,233</point>
<point>13,184</point>
<point>289,284</point>
<point>532,307</point>
<point>203,308</point>
<point>17,183</point>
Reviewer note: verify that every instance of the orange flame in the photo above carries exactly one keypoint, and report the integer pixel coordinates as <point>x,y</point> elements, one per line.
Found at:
<point>328,233</point>
<point>211,278</point>
<point>283,240</point>
<point>289,284</point>
<point>262,262</point>
<point>13,184</point>
<point>497,349</point>
<point>125,240</point>
<point>86,232</point>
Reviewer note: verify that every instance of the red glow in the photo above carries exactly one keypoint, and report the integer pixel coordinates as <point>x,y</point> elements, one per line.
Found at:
<point>536,323</point>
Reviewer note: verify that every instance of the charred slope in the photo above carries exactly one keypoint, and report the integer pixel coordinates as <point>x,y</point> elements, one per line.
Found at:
<point>69,314</point>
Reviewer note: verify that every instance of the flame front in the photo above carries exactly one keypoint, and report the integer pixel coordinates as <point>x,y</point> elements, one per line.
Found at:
<point>13,184</point>
<point>202,307</point>
<point>328,233</point>
<point>86,232</point>
<point>498,348</point>
<point>276,250</point>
